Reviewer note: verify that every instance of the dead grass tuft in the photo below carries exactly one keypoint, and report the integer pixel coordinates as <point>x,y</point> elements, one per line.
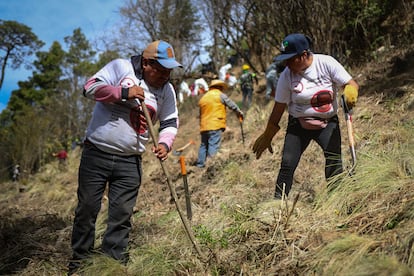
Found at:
<point>358,225</point>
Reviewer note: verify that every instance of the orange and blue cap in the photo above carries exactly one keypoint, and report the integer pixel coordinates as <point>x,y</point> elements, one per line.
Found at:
<point>162,52</point>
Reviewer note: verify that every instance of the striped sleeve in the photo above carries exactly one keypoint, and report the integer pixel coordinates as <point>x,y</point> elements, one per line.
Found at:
<point>104,85</point>
<point>168,117</point>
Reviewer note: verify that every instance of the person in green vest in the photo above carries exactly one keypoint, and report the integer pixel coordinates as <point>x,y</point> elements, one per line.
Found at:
<point>246,80</point>
<point>213,119</point>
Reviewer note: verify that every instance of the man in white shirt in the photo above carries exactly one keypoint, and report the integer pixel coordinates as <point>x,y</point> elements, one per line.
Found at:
<point>115,140</point>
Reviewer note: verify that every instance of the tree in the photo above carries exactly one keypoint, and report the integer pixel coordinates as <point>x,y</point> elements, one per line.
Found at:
<point>175,21</point>
<point>348,30</point>
<point>34,121</point>
<point>49,111</point>
<point>17,43</point>
<point>238,32</point>
<point>78,66</point>
<point>44,82</point>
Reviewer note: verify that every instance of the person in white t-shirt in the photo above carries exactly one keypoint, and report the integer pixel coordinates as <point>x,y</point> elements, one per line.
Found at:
<point>223,71</point>
<point>226,76</point>
<point>184,89</point>
<point>308,87</point>
<point>115,140</point>
<point>200,87</point>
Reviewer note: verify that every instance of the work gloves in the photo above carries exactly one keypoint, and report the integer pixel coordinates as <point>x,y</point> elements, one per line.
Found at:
<point>264,141</point>
<point>351,95</point>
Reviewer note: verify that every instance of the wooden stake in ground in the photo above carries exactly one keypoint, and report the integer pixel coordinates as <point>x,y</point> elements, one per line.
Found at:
<point>186,190</point>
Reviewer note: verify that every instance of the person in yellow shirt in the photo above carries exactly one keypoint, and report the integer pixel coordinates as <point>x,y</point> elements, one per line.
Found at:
<point>213,119</point>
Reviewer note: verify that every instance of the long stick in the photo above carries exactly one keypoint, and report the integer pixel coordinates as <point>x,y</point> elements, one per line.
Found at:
<point>170,186</point>
<point>179,150</point>
<point>185,146</point>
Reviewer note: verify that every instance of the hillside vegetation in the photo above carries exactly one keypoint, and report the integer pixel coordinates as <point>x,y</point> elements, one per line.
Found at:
<point>363,227</point>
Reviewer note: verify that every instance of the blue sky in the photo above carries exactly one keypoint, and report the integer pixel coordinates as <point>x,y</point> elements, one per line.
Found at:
<point>52,20</point>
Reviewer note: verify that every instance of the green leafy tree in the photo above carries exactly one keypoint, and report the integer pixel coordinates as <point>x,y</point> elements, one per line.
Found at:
<point>29,139</point>
<point>48,111</point>
<point>78,66</point>
<point>16,44</point>
<point>33,124</point>
<point>44,82</point>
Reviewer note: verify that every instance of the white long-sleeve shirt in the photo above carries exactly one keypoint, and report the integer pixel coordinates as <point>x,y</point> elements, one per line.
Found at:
<point>115,126</point>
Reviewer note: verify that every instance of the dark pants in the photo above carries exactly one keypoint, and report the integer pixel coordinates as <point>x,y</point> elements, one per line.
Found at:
<point>123,175</point>
<point>297,140</point>
<point>247,94</point>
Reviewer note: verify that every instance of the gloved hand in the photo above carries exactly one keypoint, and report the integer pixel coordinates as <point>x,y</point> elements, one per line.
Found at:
<point>351,95</point>
<point>264,141</point>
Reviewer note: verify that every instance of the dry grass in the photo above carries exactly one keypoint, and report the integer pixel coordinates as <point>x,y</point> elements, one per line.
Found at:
<point>362,227</point>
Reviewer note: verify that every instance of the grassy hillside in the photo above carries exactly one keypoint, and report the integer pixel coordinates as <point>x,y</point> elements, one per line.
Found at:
<point>364,227</point>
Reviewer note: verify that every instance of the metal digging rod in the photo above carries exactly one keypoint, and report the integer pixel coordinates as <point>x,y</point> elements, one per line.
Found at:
<point>170,186</point>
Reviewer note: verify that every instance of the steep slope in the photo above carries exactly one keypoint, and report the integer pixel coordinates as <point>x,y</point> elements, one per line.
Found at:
<point>363,226</point>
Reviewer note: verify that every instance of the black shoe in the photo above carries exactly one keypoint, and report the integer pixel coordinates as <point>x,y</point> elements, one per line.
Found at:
<point>73,267</point>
